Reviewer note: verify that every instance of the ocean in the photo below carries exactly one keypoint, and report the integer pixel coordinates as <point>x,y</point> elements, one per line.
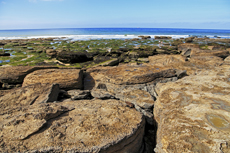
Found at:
<point>110,33</point>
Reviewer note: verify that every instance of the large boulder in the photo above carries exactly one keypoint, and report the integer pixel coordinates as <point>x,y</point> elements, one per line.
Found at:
<point>16,74</point>
<point>66,78</point>
<point>193,114</point>
<point>76,126</point>
<point>32,94</point>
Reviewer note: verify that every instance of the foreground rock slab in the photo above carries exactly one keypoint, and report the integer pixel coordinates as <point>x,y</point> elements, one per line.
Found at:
<point>76,126</point>
<point>16,74</point>
<point>29,95</point>
<point>66,78</point>
<point>193,114</point>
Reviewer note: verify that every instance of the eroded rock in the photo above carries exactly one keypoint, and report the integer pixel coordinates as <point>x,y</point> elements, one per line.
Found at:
<point>193,113</point>
<point>75,126</point>
<point>66,78</point>
<point>29,95</point>
<point>16,74</point>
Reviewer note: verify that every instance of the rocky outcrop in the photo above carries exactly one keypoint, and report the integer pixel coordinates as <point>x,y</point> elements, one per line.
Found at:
<point>29,95</point>
<point>75,126</point>
<point>66,78</point>
<point>16,74</point>
<point>163,37</point>
<point>193,113</point>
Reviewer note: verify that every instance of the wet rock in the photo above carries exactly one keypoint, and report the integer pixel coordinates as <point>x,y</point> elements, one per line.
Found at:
<point>16,74</point>
<point>144,37</point>
<point>162,37</point>
<point>32,94</point>
<point>75,126</point>
<point>111,62</point>
<point>66,78</point>
<point>195,111</point>
<point>79,94</point>
<point>73,57</point>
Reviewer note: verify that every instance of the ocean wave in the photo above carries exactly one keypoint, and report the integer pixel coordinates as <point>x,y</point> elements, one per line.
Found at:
<point>88,37</point>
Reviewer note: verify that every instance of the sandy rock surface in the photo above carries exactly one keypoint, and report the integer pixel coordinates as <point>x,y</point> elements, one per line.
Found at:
<point>29,95</point>
<point>16,74</point>
<point>193,114</point>
<point>66,78</point>
<point>75,126</point>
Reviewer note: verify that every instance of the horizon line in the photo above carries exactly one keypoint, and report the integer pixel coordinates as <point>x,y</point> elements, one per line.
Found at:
<point>111,28</point>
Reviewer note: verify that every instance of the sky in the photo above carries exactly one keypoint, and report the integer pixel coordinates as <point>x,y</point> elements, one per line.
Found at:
<point>43,14</point>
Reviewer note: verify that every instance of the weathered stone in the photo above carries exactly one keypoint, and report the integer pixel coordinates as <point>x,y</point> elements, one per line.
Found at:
<point>127,74</point>
<point>16,74</point>
<point>79,94</point>
<point>227,60</point>
<point>200,52</point>
<point>101,94</point>
<point>166,60</point>
<point>138,97</point>
<point>75,126</point>
<point>184,47</point>
<point>51,52</point>
<point>66,78</point>
<point>193,114</point>
<point>32,94</point>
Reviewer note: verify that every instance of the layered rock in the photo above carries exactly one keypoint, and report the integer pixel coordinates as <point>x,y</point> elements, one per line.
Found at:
<point>76,126</point>
<point>28,95</point>
<point>126,81</point>
<point>66,78</point>
<point>193,113</point>
<point>16,74</point>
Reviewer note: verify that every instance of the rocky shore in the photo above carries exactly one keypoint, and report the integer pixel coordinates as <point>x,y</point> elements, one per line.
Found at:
<point>115,96</point>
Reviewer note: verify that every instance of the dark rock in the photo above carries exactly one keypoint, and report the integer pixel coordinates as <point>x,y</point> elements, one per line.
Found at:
<point>73,57</point>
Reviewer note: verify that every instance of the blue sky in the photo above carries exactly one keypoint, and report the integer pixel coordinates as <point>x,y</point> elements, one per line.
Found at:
<point>36,14</point>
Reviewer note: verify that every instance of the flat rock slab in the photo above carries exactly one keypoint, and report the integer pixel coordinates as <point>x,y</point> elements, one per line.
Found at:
<point>32,94</point>
<point>191,65</point>
<point>193,114</point>
<point>66,78</point>
<point>126,75</point>
<point>16,74</point>
<point>76,126</point>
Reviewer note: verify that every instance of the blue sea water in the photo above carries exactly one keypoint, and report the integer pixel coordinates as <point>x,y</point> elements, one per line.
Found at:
<point>110,33</point>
